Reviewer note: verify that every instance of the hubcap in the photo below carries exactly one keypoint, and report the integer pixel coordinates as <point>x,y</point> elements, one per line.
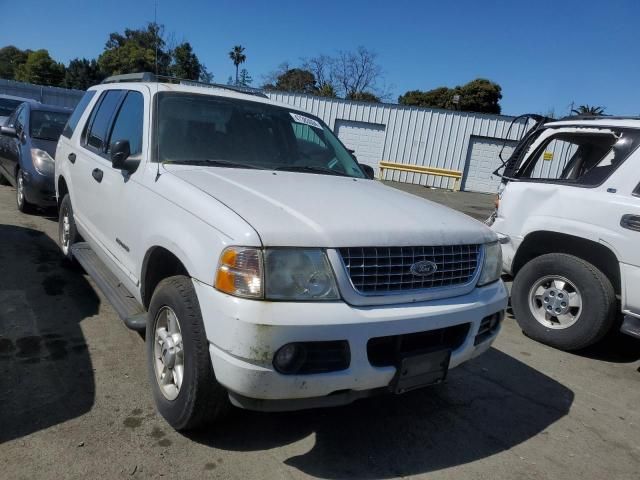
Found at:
<point>66,229</point>
<point>555,302</point>
<point>168,353</point>
<point>20,190</point>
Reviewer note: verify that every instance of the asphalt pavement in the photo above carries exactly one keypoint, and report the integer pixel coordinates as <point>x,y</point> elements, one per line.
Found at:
<point>75,400</point>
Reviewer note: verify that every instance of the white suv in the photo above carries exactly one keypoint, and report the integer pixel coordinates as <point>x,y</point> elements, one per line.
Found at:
<point>266,268</point>
<point>569,223</point>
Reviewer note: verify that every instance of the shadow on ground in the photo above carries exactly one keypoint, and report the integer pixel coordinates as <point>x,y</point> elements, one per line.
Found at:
<point>46,375</point>
<point>486,407</point>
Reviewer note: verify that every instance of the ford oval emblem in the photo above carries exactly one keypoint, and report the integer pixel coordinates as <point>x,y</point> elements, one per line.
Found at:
<point>423,268</point>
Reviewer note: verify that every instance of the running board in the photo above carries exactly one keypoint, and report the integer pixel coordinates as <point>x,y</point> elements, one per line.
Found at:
<point>130,311</point>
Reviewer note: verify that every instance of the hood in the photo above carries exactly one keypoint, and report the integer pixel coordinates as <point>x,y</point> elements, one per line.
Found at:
<point>301,209</point>
<point>48,146</point>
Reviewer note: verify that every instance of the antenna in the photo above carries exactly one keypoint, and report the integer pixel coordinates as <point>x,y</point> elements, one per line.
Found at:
<point>155,23</point>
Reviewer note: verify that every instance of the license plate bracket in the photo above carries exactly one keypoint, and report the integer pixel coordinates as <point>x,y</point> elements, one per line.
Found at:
<point>420,370</point>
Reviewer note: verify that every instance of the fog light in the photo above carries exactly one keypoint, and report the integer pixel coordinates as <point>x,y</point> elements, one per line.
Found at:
<point>289,358</point>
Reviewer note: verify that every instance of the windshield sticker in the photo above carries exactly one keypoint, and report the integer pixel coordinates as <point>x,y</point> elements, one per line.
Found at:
<point>306,120</point>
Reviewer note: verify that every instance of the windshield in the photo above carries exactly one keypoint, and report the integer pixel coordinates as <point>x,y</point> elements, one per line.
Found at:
<point>47,125</point>
<point>7,106</point>
<point>229,132</point>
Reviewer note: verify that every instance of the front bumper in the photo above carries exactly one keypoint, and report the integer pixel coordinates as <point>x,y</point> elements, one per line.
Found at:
<point>39,189</point>
<point>245,334</point>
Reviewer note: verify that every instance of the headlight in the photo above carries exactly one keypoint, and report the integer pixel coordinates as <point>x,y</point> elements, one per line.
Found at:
<point>492,264</point>
<point>42,161</point>
<point>298,274</point>
<point>289,274</point>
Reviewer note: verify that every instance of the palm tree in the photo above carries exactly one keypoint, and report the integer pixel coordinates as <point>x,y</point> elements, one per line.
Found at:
<point>592,110</point>
<point>237,56</point>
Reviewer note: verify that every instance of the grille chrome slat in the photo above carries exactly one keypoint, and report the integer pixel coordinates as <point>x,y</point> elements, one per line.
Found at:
<point>388,269</point>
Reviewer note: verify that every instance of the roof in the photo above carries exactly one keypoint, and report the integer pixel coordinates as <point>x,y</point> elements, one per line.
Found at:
<point>14,97</point>
<point>620,122</point>
<point>45,107</point>
<point>188,86</point>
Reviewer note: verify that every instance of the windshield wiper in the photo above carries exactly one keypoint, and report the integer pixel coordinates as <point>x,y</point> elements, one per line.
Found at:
<point>305,168</point>
<point>212,163</point>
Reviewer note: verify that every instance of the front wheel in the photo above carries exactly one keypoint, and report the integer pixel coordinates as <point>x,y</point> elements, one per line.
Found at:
<point>21,201</point>
<point>184,387</point>
<point>563,301</point>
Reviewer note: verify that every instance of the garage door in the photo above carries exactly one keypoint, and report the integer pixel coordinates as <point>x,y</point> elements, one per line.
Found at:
<point>482,160</point>
<point>367,139</point>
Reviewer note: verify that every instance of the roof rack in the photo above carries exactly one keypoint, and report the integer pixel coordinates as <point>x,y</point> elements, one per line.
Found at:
<point>151,77</point>
<point>597,117</point>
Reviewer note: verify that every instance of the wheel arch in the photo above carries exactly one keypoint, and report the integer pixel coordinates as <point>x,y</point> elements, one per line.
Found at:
<point>542,242</point>
<point>61,188</point>
<point>158,263</point>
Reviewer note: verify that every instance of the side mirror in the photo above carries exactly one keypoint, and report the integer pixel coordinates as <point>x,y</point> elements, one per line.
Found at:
<point>368,170</point>
<point>120,151</point>
<point>9,132</point>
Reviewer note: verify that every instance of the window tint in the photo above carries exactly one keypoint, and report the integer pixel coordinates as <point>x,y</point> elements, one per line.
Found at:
<point>101,119</point>
<point>128,123</point>
<point>21,119</point>
<point>580,158</point>
<point>77,113</point>
<point>47,125</point>
<point>11,121</point>
<point>8,105</point>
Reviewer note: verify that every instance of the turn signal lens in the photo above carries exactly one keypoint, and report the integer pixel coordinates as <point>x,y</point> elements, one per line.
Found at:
<point>240,272</point>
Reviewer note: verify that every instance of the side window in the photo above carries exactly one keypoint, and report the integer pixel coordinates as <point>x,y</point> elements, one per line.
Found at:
<point>128,123</point>
<point>100,120</point>
<point>580,158</point>
<point>21,118</point>
<point>72,123</point>
<point>11,121</point>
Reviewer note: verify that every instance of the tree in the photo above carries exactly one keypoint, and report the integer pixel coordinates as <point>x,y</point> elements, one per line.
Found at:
<point>363,97</point>
<point>356,72</point>
<point>205,75</point>
<point>237,56</point>
<point>244,79</point>
<point>295,80</point>
<point>589,110</point>
<point>327,90</point>
<point>40,69</point>
<point>479,95</point>
<point>320,67</point>
<point>135,51</point>
<point>82,74</point>
<point>185,63</point>
<point>10,58</point>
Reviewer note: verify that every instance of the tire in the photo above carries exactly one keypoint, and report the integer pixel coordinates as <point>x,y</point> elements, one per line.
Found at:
<point>198,399</point>
<point>23,205</point>
<point>3,180</point>
<point>590,313</point>
<point>67,232</point>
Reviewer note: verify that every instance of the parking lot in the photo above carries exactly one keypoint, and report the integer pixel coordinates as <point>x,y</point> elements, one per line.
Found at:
<point>75,401</point>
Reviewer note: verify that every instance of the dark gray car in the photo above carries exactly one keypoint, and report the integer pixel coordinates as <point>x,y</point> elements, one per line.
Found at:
<point>27,147</point>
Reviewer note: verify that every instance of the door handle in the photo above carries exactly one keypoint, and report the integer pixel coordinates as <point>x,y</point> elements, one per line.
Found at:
<point>72,157</point>
<point>630,222</point>
<point>97,174</point>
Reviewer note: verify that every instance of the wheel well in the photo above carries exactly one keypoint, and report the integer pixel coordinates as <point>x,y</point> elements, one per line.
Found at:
<point>62,189</point>
<point>540,243</point>
<point>159,263</point>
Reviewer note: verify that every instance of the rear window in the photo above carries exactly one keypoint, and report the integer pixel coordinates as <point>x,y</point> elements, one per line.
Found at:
<point>72,123</point>
<point>581,158</point>
<point>47,125</point>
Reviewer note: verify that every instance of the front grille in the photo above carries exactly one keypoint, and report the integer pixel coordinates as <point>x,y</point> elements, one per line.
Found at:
<point>388,269</point>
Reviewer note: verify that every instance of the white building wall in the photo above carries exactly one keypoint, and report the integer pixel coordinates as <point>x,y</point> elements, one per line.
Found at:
<point>413,135</point>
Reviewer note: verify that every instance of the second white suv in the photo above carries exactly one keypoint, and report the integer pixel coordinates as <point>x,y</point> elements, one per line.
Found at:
<point>569,223</point>
<point>264,265</point>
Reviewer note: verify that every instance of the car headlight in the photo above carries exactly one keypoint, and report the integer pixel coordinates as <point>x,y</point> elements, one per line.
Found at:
<point>289,274</point>
<point>492,264</point>
<point>42,161</point>
<point>298,274</point>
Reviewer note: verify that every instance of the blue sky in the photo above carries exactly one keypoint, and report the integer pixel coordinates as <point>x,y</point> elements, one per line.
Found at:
<point>545,54</point>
